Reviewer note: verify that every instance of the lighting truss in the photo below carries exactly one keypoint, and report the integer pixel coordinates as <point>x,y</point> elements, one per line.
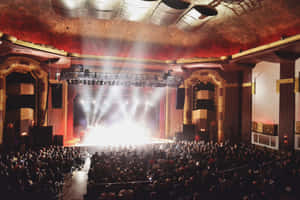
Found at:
<point>122,79</point>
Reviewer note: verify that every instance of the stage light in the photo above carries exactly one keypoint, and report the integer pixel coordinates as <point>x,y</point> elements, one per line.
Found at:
<point>136,134</point>
<point>24,134</point>
<point>82,102</point>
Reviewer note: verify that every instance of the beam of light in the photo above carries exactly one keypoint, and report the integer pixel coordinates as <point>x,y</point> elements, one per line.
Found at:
<point>99,98</point>
<point>104,106</point>
<point>126,132</point>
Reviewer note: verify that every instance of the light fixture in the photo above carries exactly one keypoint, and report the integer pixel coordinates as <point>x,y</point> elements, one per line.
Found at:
<point>103,9</point>
<point>168,11</point>
<point>70,8</point>
<point>195,17</point>
<point>136,10</point>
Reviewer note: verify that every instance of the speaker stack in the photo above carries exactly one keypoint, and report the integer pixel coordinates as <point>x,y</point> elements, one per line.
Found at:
<point>41,136</point>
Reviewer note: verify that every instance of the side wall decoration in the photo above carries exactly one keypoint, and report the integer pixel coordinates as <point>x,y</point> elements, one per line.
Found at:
<point>24,65</point>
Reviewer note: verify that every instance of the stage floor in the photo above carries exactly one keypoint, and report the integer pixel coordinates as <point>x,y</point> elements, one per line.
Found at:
<point>150,141</point>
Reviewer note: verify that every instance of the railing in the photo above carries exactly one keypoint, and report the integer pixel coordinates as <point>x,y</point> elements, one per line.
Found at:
<point>263,140</point>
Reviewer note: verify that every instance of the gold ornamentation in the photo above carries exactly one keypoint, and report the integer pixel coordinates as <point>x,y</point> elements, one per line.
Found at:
<point>202,60</point>
<point>205,76</point>
<point>121,59</point>
<point>248,84</point>
<point>253,88</point>
<point>26,65</point>
<point>266,47</point>
<point>40,47</point>
<point>283,81</point>
<point>296,85</point>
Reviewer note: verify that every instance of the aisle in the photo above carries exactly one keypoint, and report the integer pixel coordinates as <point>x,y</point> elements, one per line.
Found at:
<point>75,185</point>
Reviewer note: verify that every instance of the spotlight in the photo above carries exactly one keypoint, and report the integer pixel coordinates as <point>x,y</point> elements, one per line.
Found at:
<point>82,102</point>
<point>24,134</point>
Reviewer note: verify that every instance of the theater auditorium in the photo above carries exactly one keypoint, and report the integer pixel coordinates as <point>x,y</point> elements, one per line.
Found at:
<point>149,99</point>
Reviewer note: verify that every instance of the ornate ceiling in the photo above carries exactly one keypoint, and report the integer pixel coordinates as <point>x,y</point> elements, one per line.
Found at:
<point>145,29</point>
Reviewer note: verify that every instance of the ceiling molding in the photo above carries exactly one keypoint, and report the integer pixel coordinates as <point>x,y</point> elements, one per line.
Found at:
<point>221,59</point>
<point>270,46</point>
<point>120,59</point>
<point>40,47</point>
<point>278,49</point>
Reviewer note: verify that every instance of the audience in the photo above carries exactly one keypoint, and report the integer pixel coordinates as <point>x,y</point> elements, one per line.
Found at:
<point>176,171</point>
<point>192,171</point>
<point>37,174</point>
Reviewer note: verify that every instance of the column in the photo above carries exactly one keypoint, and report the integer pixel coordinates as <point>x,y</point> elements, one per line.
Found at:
<point>286,105</point>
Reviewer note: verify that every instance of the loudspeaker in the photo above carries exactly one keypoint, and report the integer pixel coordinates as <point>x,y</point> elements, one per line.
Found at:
<point>20,101</point>
<point>180,98</point>
<point>56,95</point>
<point>58,140</point>
<point>189,131</point>
<point>41,136</point>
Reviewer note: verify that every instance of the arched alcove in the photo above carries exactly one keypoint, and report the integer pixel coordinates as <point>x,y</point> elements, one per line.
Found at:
<point>199,117</point>
<point>23,92</point>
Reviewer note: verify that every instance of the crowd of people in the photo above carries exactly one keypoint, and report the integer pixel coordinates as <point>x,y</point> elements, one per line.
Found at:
<point>192,171</point>
<point>176,171</point>
<point>37,174</point>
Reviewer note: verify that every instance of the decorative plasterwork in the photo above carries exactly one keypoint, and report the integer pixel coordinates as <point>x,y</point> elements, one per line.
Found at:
<point>25,65</point>
<point>283,81</point>
<point>206,76</point>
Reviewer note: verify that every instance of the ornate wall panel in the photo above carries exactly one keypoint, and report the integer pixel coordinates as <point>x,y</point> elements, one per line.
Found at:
<point>193,117</point>
<point>23,65</point>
